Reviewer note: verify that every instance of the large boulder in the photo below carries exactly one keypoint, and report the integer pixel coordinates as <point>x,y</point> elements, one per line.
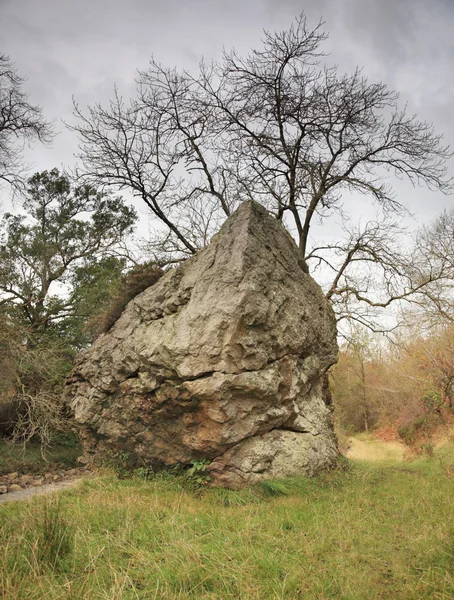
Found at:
<point>224,358</point>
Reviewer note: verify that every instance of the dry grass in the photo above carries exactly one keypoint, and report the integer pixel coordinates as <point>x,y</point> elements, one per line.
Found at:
<point>371,450</point>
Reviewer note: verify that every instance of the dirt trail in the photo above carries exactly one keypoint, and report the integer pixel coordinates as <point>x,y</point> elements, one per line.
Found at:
<point>38,491</point>
<point>375,450</point>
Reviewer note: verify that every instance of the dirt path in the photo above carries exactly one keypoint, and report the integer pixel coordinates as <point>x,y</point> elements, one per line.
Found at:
<point>38,491</point>
<point>375,450</point>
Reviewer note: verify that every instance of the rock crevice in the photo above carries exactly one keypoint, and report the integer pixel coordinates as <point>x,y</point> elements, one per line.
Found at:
<point>223,358</point>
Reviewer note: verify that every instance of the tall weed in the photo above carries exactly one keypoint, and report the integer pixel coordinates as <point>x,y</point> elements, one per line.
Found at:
<point>54,534</point>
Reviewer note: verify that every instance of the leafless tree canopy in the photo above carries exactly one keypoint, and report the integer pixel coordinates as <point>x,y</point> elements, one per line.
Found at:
<point>20,123</point>
<point>276,126</point>
<point>434,254</point>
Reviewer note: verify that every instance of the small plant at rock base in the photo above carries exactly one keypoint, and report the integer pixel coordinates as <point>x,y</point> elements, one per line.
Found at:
<point>197,472</point>
<point>121,462</point>
<point>145,472</point>
<point>274,488</point>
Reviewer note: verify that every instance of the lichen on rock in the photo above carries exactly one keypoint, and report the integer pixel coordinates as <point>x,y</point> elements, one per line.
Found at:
<point>223,358</point>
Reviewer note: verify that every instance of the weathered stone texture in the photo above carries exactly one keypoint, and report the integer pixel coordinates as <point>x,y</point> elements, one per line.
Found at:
<point>223,358</point>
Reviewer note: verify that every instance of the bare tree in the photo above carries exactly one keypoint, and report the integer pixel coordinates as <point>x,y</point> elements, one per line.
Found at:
<point>433,256</point>
<point>275,126</point>
<point>158,147</point>
<point>305,135</point>
<point>20,123</point>
<point>377,264</point>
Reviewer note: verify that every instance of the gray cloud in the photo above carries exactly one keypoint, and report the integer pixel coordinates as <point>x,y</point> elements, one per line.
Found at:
<point>81,48</point>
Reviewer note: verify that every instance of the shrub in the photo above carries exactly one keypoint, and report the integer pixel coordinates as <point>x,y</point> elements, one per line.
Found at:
<point>32,371</point>
<point>197,472</point>
<point>9,411</point>
<point>145,472</point>
<point>418,422</point>
<point>432,401</point>
<point>40,415</point>
<point>132,284</point>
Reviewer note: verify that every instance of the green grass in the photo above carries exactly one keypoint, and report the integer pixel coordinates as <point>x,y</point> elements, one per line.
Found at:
<point>366,532</point>
<point>63,452</point>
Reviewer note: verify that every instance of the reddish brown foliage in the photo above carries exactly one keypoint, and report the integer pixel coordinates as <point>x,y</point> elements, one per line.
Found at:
<point>132,284</point>
<point>386,433</point>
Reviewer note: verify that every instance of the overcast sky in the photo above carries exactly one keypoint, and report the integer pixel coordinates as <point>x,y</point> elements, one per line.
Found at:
<point>81,48</point>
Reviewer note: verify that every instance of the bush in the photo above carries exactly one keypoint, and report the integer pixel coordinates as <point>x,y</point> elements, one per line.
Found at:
<point>39,416</point>
<point>33,370</point>
<point>132,284</point>
<point>9,413</point>
<point>418,422</point>
<point>411,432</point>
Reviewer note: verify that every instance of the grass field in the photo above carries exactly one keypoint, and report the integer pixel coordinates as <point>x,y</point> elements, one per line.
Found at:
<point>369,531</point>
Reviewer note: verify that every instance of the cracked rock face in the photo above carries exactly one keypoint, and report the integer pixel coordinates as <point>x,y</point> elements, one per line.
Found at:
<point>223,358</point>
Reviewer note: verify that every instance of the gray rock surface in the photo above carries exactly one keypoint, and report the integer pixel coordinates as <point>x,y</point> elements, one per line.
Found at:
<point>223,358</point>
